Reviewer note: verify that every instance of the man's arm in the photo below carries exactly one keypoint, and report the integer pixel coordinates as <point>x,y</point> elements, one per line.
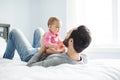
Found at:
<point>36,56</point>
<point>53,61</point>
<point>61,48</point>
<point>34,59</point>
<point>53,50</point>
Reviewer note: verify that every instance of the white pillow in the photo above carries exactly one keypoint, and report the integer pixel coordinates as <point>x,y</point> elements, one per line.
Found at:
<point>2,46</point>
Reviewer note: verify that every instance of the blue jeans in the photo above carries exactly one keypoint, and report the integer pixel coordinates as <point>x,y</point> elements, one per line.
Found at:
<point>17,40</point>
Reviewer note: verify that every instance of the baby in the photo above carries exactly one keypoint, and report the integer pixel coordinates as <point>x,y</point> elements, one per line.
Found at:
<point>52,40</point>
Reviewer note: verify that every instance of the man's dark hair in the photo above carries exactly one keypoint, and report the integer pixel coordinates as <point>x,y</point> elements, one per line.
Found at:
<point>81,37</point>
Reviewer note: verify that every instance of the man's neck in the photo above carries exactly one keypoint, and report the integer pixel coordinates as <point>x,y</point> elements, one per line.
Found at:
<point>73,55</point>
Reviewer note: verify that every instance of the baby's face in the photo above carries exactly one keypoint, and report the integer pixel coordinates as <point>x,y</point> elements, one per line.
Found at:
<point>55,27</point>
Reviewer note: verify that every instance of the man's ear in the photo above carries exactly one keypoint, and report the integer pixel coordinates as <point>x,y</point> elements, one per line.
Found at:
<point>71,41</point>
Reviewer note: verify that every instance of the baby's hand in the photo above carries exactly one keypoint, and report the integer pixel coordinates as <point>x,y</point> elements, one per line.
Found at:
<point>56,46</point>
<point>60,43</point>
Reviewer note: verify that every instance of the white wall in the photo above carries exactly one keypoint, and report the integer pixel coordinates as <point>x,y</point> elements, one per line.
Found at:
<point>85,11</point>
<point>102,53</point>
<point>118,1</point>
<point>17,14</point>
<point>41,10</point>
<point>30,14</point>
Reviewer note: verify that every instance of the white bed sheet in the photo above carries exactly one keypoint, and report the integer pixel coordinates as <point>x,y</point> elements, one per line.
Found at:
<point>94,70</point>
<point>2,46</point>
<point>100,69</point>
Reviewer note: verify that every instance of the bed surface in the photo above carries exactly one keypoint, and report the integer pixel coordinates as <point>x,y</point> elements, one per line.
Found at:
<point>98,69</point>
<point>94,70</point>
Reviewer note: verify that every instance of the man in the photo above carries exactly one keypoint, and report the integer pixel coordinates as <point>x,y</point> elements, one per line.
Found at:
<point>76,41</point>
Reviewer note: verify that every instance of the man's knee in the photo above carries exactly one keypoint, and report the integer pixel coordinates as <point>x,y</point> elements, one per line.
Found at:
<point>14,31</point>
<point>39,30</point>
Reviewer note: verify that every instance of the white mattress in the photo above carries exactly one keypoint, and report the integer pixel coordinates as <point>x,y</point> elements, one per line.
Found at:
<point>2,46</point>
<point>94,70</point>
<point>100,69</point>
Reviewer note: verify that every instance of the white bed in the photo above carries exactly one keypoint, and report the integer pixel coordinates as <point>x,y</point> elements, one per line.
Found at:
<point>99,69</point>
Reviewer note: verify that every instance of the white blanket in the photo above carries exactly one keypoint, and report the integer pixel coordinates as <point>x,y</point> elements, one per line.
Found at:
<point>94,70</point>
<point>102,69</point>
<point>2,46</point>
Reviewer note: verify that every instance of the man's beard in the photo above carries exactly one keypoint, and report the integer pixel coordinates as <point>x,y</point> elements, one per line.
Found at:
<point>65,42</point>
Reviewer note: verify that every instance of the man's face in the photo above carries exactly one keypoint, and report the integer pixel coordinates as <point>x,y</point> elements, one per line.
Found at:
<point>66,40</point>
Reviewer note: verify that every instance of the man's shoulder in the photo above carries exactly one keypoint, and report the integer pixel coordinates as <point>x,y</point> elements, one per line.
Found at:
<point>57,55</point>
<point>83,55</point>
<point>84,58</point>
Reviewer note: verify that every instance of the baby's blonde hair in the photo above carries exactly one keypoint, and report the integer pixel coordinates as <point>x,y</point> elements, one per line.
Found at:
<point>52,19</point>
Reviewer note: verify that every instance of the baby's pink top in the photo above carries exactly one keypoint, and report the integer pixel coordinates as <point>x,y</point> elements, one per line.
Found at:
<point>50,38</point>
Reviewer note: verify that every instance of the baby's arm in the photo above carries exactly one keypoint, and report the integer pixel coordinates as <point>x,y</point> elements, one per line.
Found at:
<point>59,49</point>
<point>51,50</point>
<point>50,45</point>
<point>61,46</point>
